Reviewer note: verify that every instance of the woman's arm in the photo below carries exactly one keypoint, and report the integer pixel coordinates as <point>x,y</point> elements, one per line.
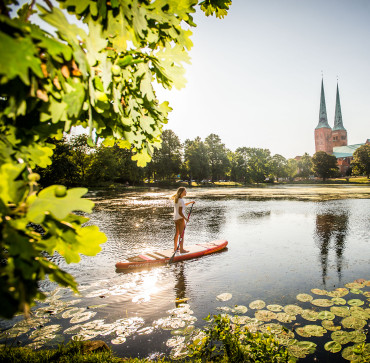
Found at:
<point>190,203</point>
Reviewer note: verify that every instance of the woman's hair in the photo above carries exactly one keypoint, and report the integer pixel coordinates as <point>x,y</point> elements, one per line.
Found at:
<point>178,193</point>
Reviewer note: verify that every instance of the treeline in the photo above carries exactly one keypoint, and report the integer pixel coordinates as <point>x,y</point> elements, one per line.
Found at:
<point>76,163</point>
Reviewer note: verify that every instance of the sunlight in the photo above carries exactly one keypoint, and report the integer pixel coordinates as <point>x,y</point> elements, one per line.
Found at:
<point>148,288</point>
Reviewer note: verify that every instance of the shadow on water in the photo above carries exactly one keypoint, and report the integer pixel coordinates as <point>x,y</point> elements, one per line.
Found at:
<point>331,230</point>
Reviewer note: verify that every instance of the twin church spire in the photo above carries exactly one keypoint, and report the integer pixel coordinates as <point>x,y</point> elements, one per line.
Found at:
<point>327,138</point>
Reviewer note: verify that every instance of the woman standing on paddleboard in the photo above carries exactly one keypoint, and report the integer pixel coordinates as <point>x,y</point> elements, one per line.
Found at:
<point>179,217</point>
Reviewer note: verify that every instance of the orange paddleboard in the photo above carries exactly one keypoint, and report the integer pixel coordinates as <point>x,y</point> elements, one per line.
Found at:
<point>162,257</point>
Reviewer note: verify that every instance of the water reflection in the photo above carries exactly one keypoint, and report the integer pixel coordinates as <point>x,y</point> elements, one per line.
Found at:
<point>331,227</point>
<point>180,281</point>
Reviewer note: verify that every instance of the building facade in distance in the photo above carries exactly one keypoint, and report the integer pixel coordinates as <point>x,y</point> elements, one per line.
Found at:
<point>334,140</point>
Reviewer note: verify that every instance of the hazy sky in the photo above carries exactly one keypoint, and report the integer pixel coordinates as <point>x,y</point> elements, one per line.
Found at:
<point>255,76</point>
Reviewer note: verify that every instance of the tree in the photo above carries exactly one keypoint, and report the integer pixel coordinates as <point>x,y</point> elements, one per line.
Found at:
<point>217,155</point>
<point>167,160</point>
<point>305,165</point>
<point>292,168</point>
<point>239,167</point>
<point>278,166</point>
<point>324,165</point>
<point>101,80</point>
<point>196,159</point>
<point>361,160</point>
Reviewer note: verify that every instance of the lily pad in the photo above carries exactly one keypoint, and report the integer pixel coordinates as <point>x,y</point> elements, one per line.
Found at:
<point>285,318</point>
<point>304,297</point>
<point>240,309</point>
<point>70,312</point>
<point>358,336</point>
<point>326,315</point>
<point>119,340</point>
<point>319,292</point>
<point>257,304</point>
<point>271,328</point>
<point>173,342</point>
<point>356,291</point>
<point>78,318</point>
<point>265,315</point>
<point>359,312</point>
<point>357,353</point>
<point>302,332</point>
<point>293,309</point>
<point>224,297</point>
<point>341,337</point>
<point>302,349</point>
<point>333,347</point>
<point>275,308</point>
<point>354,285</point>
<point>310,315</point>
<point>338,301</point>
<point>355,302</point>
<point>315,330</point>
<point>339,292</point>
<point>352,322</point>
<point>329,325</point>
<point>322,303</point>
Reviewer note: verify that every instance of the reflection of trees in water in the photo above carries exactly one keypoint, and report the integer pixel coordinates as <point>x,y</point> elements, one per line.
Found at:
<point>214,219</point>
<point>331,227</point>
<point>180,285</point>
<point>252,215</point>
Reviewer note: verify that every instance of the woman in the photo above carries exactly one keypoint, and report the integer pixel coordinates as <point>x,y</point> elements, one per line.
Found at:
<point>179,217</point>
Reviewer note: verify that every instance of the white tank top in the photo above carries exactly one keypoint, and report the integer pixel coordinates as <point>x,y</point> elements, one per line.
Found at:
<point>176,213</point>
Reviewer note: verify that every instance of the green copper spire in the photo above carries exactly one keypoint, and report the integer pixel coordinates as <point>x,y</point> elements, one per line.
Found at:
<point>323,118</point>
<point>338,122</point>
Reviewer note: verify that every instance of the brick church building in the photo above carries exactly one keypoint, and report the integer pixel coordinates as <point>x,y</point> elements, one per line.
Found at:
<point>334,140</point>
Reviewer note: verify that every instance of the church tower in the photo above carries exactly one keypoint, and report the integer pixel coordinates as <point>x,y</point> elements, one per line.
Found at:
<point>339,132</point>
<point>323,132</point>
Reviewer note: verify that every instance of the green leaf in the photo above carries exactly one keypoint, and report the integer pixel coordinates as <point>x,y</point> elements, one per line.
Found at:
<point>18,57</point>
<point>46,201</point>
<point>142,158</point>
<point>9,188</point>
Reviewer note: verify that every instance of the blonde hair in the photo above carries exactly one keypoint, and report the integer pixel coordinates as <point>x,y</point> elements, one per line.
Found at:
<point>178,193</point>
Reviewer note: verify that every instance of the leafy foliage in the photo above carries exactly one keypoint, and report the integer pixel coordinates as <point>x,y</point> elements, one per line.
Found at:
<point>324,165</point>
<point>101,79</point>
<point>361,161</point>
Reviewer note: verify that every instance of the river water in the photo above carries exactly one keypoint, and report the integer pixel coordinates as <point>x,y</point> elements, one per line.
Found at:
<point>278,248</point>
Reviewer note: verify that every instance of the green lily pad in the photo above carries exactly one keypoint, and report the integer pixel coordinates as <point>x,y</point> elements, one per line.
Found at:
<point>338,301</point>
<point>358,336</point>
<point>265,315</point>
<point>224,297</point>
<point>301,349</point>
<point>302,332</point>
<point>326,315</point>
<point>304,297</point>
<point>315,330</point>
<point>285,318</point>
<point>309,314</point>
<point>319,292</point>
<point>119,340</point>
<point>70,312</point>
<point>242,320</point>
<point>342,311</point>
<point>355,302</point>
<point>293,309</point>
<point>366,293</point>
<point>78,318</point>
<point>240,309</point>
<point>257,304</point>
<point>284,337</point>
<point>271,328</point>
<point>359,312</point>
<point>342,337</point>
<point>356,291</point>
<point>357,353</point>
<point>352,322</point>
<point>275,308</point>
<point>333,347</point>
<point>322,303</point>
<point>354,285</point>
<point>329,325</point>
<point>339,292</point>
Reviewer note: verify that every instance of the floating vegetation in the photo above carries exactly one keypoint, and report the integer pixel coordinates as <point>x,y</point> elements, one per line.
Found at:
<point>265,315</point>
<point>354,285</point>
<point>240,309</point>
<point>224,297</point>
<point>355,302</point>
<point>71,312</point>
<point>79,318</point>
<point>329,325</point>
<point>293,309</point>
<point>314,330</point>
<point>339,292</point>
<point>352,322</point>
<point>257,304</point>
<point>310,315</point>
<point>357,353</point>
<point>333,347</point>
<point>326,315</point>
<point>319,292</point>
<point>285,318</point>
<point>322,302</point>
<point>304,297</point>
<point>301,349</point>
<point>275,308</point>
<point>338,301</point>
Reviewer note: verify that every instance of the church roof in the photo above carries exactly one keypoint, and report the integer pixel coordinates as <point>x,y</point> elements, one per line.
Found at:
<point>345,151</point>
<point>323,118</point>
<point>338,122</point>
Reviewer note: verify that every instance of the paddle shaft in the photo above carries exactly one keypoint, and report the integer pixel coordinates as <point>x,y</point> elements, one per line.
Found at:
<point>181,236</point>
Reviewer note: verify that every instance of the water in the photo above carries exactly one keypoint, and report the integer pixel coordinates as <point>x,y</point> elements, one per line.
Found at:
<point>277,249</point>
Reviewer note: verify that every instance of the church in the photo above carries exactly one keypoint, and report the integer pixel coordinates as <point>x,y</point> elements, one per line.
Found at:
<point>334,140</point>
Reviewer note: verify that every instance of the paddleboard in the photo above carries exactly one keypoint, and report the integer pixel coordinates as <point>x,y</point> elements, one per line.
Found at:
<point>162,257</point>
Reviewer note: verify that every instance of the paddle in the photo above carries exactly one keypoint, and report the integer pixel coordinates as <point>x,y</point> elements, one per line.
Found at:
<point>181,237</point>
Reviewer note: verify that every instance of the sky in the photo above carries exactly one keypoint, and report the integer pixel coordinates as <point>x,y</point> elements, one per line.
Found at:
<point>255,77</point>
